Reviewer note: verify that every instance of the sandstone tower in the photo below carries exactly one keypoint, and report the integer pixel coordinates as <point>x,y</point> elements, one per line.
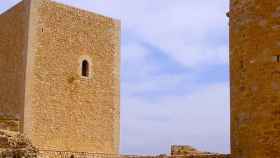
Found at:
<point>59,76</point>
<point>255,78</point>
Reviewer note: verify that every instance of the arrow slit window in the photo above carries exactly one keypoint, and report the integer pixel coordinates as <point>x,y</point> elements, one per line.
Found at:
<point>85,68</point>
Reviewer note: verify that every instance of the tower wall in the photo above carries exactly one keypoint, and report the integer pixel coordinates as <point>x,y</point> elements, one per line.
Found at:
<point>255,78</point>
<point>64,110</point>
<point>12,72</point>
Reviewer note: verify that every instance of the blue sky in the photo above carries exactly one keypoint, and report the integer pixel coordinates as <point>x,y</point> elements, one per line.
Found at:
<point>174,78</point>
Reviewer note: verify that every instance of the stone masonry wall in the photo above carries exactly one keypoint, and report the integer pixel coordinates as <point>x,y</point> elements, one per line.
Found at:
<point>65,111</point>
<point>10,124</point>
<point>12,34</point>
<point>179,150</point>
<point>255,78</point>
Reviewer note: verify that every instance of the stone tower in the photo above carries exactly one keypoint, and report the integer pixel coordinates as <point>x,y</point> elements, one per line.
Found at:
<point>59,79</point>
<point>255,78</point>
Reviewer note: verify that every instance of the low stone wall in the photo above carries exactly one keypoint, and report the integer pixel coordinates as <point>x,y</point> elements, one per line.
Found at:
<point>15,144</point>
<point>70,154</point>
<point>203,156</point>
<point>9,123</point>
<point>184,150</point>
<point>183,156</point>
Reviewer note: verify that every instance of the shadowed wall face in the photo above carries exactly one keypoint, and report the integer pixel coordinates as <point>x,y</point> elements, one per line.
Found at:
<point>73,110</point>
<point>255,78</point>
<point>12,56</point>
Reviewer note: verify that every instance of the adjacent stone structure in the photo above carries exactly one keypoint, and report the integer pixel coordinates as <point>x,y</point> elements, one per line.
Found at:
<point>59,79</point>
<point>186,151</point>
<point>183,150</point>
<point>255,78</point>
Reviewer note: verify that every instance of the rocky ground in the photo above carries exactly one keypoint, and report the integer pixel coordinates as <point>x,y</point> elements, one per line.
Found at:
<point>16,145</point>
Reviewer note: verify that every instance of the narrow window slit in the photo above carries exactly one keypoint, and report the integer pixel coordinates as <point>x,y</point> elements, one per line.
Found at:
<point>85,68</point>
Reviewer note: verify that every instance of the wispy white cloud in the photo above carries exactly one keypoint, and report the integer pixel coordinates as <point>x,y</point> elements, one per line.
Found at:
<point>199,119</point>
<point>182,29</point>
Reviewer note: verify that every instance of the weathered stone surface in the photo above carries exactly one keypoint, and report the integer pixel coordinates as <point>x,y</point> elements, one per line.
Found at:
<point>11,125</point>
<point>255,78</point>
<point>177,150</point>
<point>43,45</point>
<point>12,58</point>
